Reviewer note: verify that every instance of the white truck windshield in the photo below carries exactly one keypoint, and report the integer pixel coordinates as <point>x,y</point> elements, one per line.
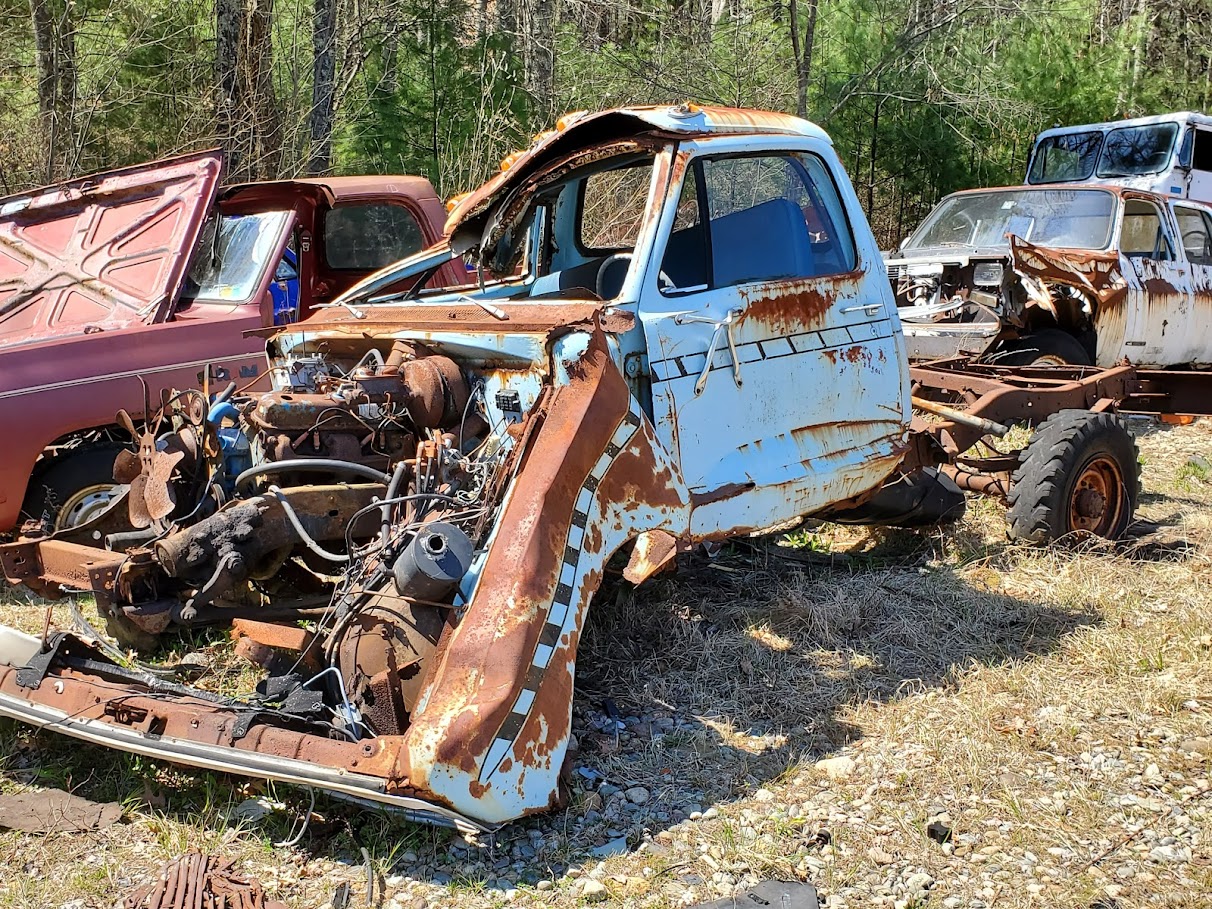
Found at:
<point>1079,219</point>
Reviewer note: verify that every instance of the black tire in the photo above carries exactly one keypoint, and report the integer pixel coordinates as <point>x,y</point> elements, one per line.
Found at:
<point>1080,473</point>
<point>1046,347</point>
<point>67,477</point>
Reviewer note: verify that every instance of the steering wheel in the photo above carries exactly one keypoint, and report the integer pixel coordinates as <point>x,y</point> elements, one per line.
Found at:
<point>968,223</point>
<point>1200,235</point>
<point>604,268</point>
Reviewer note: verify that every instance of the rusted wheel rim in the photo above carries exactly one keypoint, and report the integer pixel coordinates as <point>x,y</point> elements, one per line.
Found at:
<point>1096,502</point>
<point>1049,360</point>
<point>86,504</point>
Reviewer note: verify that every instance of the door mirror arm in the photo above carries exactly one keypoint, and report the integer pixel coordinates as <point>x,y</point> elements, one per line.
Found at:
<point>722,326</point>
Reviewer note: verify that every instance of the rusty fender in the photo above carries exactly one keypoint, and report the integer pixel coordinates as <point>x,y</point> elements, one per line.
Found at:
<point>492,730</point>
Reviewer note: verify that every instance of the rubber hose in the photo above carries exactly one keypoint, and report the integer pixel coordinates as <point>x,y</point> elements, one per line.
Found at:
<point>311,464</point>
<point>392,488</point>
<point>315,547</point>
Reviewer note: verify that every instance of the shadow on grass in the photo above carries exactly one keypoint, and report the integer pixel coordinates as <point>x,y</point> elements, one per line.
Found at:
<point>699,688</point>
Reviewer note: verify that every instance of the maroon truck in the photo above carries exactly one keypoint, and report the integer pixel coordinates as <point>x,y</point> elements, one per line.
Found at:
<point>117,286</point>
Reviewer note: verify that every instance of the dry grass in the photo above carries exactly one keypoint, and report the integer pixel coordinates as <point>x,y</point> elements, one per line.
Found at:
<point>1036,698</point>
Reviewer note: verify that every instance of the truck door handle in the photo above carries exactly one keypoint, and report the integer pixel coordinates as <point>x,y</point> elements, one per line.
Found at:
<point>721,326</point>
<point>869,308</point>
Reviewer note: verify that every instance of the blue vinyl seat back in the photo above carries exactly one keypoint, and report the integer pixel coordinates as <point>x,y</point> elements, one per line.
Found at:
<point>768,242</point>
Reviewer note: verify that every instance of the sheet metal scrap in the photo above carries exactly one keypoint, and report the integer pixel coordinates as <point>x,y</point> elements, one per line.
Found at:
<point>198,881</point>
<point>54,811</point>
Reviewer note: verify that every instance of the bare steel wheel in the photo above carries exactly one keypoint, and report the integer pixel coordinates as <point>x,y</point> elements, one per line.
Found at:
<point>72,488</point>
<point>1097,498</point>
<point>86,504</point>
<point>1077,475</point>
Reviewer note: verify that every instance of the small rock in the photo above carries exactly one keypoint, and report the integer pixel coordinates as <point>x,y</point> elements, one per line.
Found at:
<point>939,832</point>
<point>837,768</point>
<point>544,885</point>
<point>637,795</point>
<point>1201,746</point>
<point>1173,854</point>
<point>593,891</point>
<point>764,795</point>
<point>879,856</point>
<point>591,801</point>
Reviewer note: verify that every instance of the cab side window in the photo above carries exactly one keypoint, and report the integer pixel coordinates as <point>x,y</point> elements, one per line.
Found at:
<point>369,237</point>
<point>1195,228</point>
<point>751,219</point>
<point>1143,235</point>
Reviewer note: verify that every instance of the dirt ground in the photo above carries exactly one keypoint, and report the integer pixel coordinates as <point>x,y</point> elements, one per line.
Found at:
<point>903,719</point>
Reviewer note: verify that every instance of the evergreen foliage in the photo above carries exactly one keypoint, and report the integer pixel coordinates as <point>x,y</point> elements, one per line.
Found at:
<point>922,97</point>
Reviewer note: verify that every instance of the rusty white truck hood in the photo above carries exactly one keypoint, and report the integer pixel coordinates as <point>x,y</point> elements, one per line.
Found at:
<point>103,252</point>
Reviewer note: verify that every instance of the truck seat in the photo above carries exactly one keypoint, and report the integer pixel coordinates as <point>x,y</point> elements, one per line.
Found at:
<point>768,242</point>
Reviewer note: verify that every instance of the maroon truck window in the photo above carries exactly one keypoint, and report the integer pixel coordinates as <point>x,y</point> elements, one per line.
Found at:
<point>368,237</point>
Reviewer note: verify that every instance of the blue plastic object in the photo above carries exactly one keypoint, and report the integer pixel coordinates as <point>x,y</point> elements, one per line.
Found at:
<point>237,453</point>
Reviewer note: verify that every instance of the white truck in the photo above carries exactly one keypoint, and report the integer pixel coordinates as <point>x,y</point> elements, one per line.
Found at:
<point>1104,256</point>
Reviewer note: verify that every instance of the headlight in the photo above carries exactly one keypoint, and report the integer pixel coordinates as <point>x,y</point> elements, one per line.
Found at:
<point>987,274</point>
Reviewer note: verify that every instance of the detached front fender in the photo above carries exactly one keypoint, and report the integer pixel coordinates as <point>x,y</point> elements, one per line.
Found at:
<point>493,724</point>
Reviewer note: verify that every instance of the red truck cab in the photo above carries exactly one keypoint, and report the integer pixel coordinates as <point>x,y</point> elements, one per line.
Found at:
<point>119,286</point>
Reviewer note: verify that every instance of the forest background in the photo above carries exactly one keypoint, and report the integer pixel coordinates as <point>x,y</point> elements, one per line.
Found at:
<point>922,97</point>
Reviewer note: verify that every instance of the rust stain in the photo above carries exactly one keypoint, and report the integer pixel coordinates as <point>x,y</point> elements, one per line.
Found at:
<point>786,308</point>
<point>727,491</point>
<point>1093,271</point>
<point>858,354</point>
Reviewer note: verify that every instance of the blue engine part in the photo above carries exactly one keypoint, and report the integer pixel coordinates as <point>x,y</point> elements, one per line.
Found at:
<point>237,453</point>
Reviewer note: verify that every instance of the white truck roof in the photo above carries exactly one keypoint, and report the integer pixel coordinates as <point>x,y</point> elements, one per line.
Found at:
<point>1167,153</point>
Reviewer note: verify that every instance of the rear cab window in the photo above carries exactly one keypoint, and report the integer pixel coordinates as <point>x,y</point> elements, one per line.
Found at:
<point>367,237</point>
<point>613,207</point>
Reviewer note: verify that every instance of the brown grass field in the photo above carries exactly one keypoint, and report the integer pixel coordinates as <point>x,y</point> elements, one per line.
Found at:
<point>802,707</point>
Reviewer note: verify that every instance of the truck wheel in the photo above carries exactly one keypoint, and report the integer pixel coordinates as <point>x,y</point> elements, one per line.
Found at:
<point>75,487</point>
<point>1079,474</point>
<point>1046,347</point>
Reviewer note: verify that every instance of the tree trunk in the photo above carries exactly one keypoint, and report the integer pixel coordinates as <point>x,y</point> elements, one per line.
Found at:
<point>507,18</point>
<point>55,50</point>
<point>324,34</point>
<point>802,49</point>
<point>540,53</point>
<point>263,115</point>
<point>229,19</point>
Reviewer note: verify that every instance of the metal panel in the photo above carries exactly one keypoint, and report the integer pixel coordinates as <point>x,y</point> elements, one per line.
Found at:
<point>101,252</point>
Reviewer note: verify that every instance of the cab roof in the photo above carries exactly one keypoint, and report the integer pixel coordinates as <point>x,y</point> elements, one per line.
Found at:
<point>1180,117</point>
<point>582,131</point>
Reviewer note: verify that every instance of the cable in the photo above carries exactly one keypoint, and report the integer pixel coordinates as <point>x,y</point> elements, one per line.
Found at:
<point>311,544</point>
<point>349,711</point>
<point>306,822</point>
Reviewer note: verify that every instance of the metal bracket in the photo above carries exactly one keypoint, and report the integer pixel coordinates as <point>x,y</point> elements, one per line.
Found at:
<point>32,674</point>
<point>721,326</point>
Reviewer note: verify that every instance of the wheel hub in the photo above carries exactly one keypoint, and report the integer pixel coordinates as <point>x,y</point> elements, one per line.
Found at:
<point>85,505</point>
<point>1097,497</point>
<point>1090,503</point>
